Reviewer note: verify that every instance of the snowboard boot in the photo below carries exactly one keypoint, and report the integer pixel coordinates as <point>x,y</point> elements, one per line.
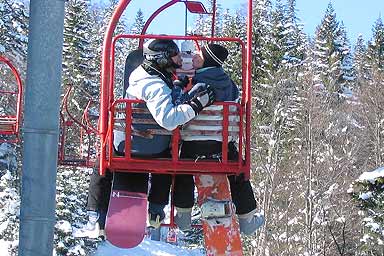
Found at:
<point>250,222</point>
<point>155,214</point>
<point>183,218</point>
<point>91,229</point>
<point>155,234</point>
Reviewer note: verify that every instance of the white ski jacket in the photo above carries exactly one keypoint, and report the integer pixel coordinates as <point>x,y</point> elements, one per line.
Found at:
<point>158,99</point>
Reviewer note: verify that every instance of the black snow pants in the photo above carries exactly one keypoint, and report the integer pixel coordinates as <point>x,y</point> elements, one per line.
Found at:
<point>241,189</point>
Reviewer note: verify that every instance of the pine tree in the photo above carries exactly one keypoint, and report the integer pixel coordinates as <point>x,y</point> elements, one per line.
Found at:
<point>295,38</point>
<point>77,52</point>
<point>331,51</point>
<point>359,63</point>
<point>233,26</point>
<point>139,23</point>
<point>276,46</point>
<point>368,195</point>
<point>14,31</point>
<point>376,46</point>
<point>9,196</point>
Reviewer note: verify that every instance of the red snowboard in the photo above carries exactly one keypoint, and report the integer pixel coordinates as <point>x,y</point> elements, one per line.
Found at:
<point>221,234</point>
<point>126,219</point>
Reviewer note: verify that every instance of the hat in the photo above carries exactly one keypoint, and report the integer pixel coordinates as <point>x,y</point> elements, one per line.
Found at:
<point>214,55</point>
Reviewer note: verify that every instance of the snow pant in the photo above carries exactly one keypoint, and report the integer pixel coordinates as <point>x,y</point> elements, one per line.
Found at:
<point>100,188</point>
<point>241,189</point>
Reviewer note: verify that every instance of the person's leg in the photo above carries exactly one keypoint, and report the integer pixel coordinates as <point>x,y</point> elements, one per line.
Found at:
<point>97,204</point>
<point>158,198</point>
<point>132,182</point>
<point>243,198</point>
<point>98,191</point>
<point>242,194</point>
<point>184,199</point>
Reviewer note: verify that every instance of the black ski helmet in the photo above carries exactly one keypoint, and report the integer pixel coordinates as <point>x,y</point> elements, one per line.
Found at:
<point>160,51</point>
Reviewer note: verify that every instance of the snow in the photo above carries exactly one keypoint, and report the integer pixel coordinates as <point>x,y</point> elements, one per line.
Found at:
<point>366,196</point>
<point>64,226</point>
<point>372,176</point>
<point>4,245</point>
<point>146,248</point>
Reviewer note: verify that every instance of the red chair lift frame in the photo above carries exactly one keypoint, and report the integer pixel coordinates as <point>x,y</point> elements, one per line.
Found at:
<point>10,124</point>
<point>67,120</point>
<point>173,165</point>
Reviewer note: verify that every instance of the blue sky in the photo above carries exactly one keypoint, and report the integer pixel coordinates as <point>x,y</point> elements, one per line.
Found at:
<point>358,16</point>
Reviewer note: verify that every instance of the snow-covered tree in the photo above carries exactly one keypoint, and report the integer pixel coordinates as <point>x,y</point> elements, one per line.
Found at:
<point>359,63</point>
<point>375,52</point>
<point>332,53</point>
<point>77,52</point>
<point>233,26</point>
<point>9,198</point>
<point>14,31</point>
<point>368,192</point>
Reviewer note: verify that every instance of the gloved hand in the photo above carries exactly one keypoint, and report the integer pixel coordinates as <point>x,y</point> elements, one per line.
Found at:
<point>197,88</point>
<point>202,99</point>
<point>181,81</point>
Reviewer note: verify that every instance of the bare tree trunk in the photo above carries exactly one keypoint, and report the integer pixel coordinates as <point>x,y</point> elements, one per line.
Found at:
<point>308,198</point>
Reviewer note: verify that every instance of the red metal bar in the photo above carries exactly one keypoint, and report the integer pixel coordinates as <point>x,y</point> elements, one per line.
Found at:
<point>225,133</point>
<point>65,101</point>
<point>153,16</point>
<point>172,214</point>
<point>105,79</point>
<point>248,91</point>
<point>167,166</point>
<point>176,37</point>
<point>175,164</point>
<point>191,6</point>
<point>85,119</point>
<point>128,133</point>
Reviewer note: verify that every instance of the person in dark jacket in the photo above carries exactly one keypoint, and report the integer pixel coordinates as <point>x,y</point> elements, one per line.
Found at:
<point>152,83</point>
<point>208,64</point>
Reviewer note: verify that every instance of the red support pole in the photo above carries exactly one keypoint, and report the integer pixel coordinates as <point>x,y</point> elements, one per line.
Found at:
<point>105,80</point>
<point>249,91</point>
<point>153,16</point>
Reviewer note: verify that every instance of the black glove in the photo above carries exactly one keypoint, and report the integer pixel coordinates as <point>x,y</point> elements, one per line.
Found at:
<point>181,81</point>
<point>202,99</point>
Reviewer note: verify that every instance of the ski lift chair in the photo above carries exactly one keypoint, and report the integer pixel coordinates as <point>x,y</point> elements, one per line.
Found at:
<point>67,156</point>
<point>11,97</point>
<point>112,110</point>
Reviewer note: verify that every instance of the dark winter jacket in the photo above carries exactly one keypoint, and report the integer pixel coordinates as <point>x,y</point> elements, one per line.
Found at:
<point>224,88</point>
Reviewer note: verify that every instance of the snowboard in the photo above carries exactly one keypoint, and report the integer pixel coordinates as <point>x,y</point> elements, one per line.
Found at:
<point>220,225</point>
<point>126,221</point>
<point>126,218</point>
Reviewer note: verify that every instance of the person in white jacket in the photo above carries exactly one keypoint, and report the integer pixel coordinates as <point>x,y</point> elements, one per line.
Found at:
<point>151,82</point>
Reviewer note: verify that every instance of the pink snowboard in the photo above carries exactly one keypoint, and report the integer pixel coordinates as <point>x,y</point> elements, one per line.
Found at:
<point>126,219</point>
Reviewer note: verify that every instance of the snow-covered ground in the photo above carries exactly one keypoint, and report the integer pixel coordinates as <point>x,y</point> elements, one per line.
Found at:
<point>146,248</point>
